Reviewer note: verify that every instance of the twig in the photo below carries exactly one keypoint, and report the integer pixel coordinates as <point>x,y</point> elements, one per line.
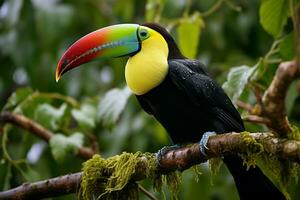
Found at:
<point>274,49</point>
<point>244,106</point>
<point>232,6</point>
<point>256,119</point>
<point>212,9</point>
<point>187,8</point>
<point>147,193</point>
<point>254,111</point>
<point>46,95</point>
<point>38,130</point>
<point>179,159</point>
<point>258,94</point>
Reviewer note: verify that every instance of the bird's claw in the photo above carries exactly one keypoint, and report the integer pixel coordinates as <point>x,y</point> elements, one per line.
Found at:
<point>203,142</point>
<point>165,150</point>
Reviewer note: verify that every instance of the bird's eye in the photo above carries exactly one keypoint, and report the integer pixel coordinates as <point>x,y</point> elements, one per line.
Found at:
<point>143,33</point>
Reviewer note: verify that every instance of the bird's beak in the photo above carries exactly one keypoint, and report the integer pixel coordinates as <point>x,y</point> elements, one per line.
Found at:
<point>109,42</point>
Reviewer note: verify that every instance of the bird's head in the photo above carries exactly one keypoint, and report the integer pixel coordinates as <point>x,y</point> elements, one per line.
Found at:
<point>118,41</point>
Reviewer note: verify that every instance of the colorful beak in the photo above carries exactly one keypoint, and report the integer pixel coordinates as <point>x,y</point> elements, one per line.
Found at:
<point>109,42</point>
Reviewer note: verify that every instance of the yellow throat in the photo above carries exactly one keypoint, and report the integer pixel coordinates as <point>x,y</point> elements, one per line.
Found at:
<point>148,68</point>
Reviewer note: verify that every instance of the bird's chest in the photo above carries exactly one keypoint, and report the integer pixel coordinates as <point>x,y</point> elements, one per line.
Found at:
<point>183,120</point>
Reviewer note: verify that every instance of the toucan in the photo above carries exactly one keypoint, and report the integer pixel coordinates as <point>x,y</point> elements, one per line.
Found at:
<point>176,90</point>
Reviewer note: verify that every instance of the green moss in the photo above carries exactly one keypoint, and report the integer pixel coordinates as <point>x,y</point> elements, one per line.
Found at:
<point>111,178</point>
<point>171,180</point>
<point>106,178</point>
<point>280,171</point>
<point>197,172</point>
<point>295,134</point>
<point>152,165</point>
<point>252,145</point>
<point>253,150</point>
<point>214,166</point>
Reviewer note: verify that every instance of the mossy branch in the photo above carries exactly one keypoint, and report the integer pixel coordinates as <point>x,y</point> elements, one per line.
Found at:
<point>145,166</point>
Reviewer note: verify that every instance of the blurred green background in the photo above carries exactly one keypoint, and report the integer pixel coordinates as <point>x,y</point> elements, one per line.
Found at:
<point>35,33</point>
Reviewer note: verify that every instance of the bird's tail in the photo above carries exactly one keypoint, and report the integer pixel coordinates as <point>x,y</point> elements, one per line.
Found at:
<point>251,184</point>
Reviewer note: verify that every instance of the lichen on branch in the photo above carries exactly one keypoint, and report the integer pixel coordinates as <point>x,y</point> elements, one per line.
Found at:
<point>114,178</point>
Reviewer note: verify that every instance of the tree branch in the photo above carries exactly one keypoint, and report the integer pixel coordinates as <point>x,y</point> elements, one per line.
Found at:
<point>245,106</point>
<point>273,100</point>
<point>179,159</point>
<point>147,193</point>
<point>38,130</point>
<point>256,119</point>
<point>42,189</point>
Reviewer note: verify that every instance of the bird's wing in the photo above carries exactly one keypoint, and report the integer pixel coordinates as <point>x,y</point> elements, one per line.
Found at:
<point>146,107</point>
<point>190,77</point>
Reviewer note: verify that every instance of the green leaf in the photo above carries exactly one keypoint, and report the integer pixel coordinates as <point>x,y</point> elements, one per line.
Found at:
<point>17,97</point>
<point>287,47</point>
<point>273,15</point>
<point>49,116</point>
<point>112,105</point>
<point>61,145</point>
<point>237,79</point>
<point>85,116</point>
<point>189,31</point>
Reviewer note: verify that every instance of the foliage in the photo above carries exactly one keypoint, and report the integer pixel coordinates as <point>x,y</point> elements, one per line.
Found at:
<point>112,105</point>
<point>91,103</point>
<point>273,15</point>
<point>193,25</point>
<point>61,145</point>
<point>237,79</point>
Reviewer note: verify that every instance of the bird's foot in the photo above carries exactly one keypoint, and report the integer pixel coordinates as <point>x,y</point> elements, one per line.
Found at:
<point>203,142</point>
<point>165,150</point>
